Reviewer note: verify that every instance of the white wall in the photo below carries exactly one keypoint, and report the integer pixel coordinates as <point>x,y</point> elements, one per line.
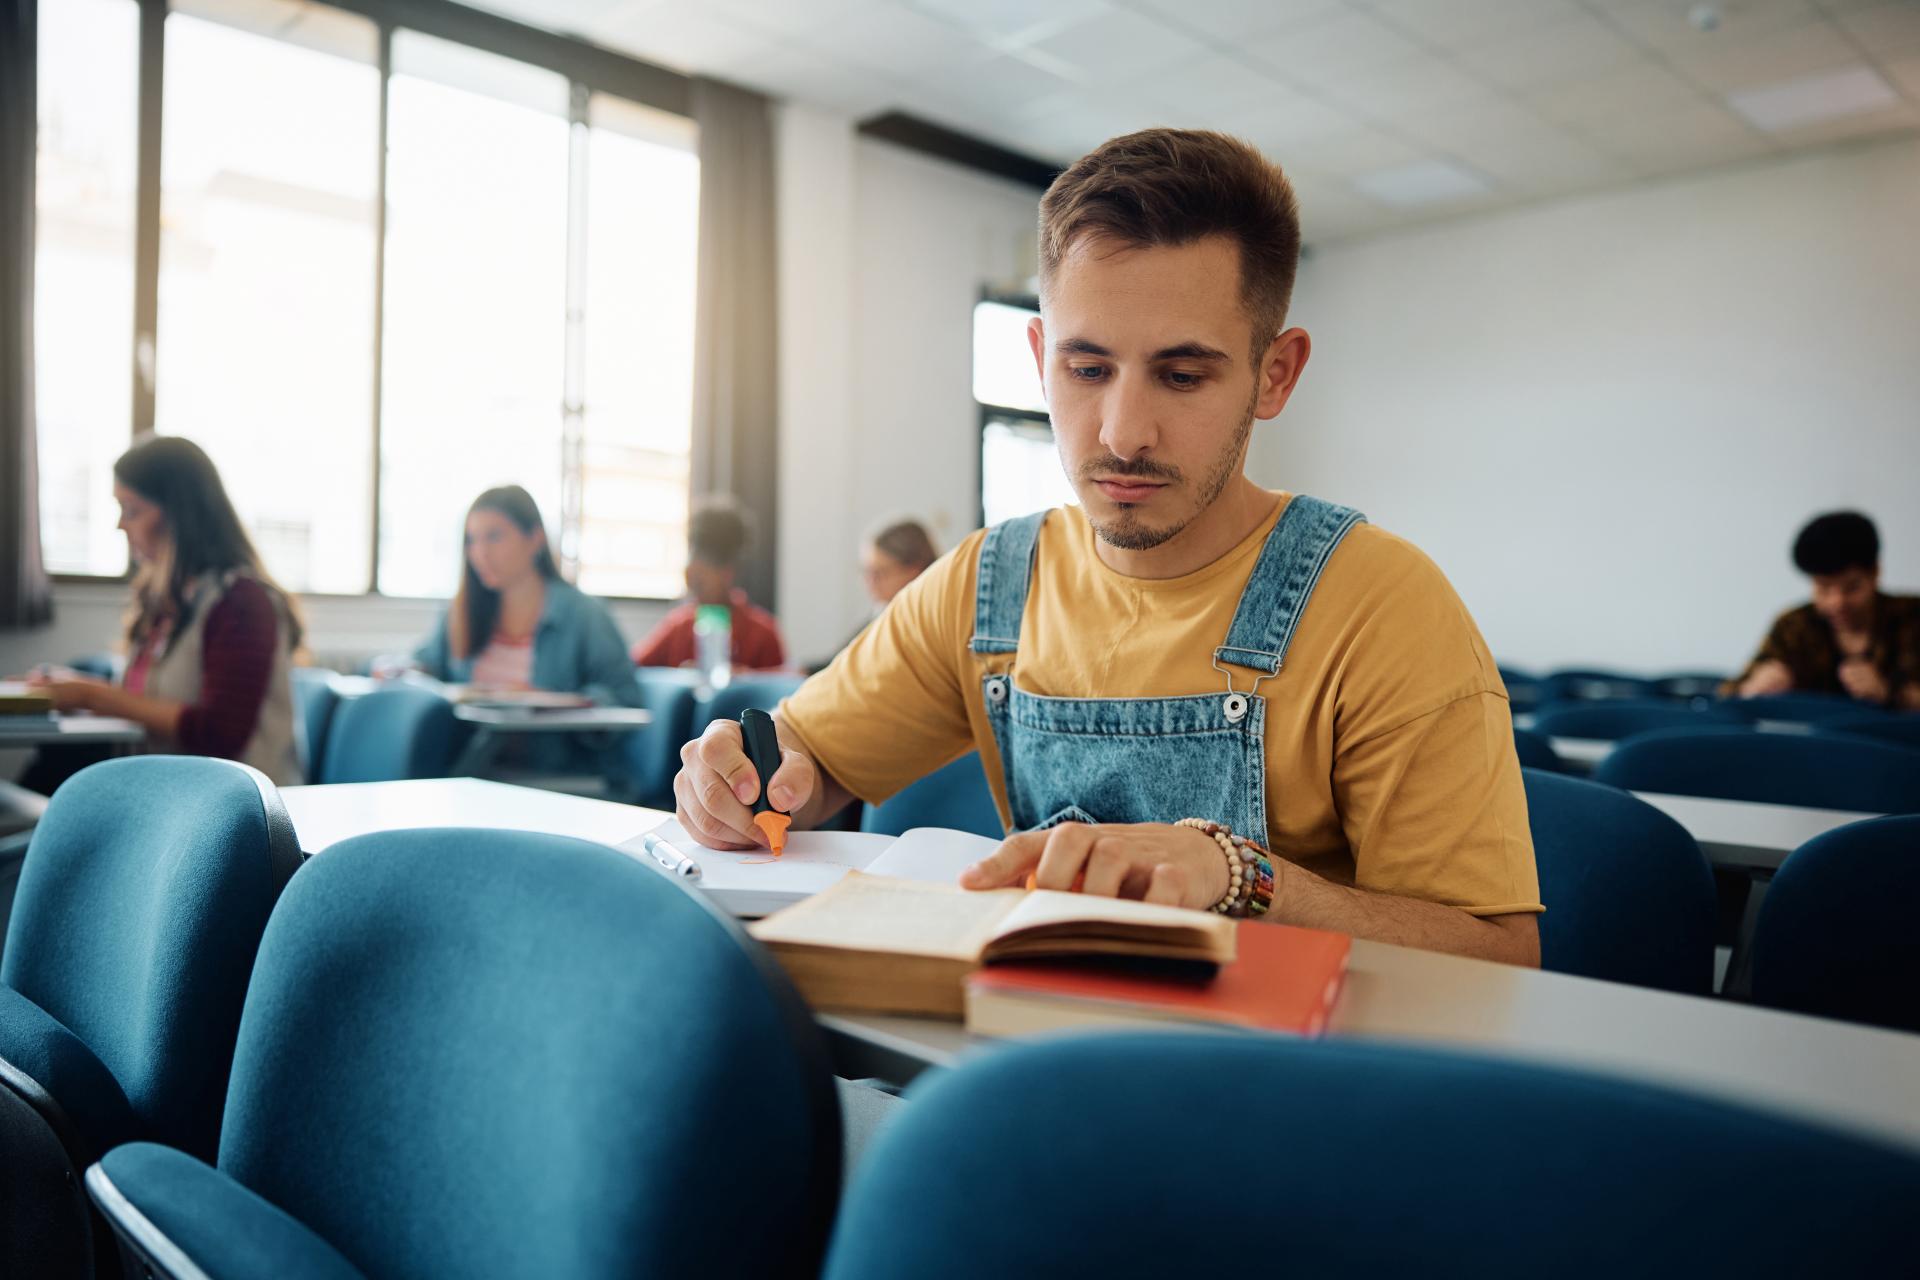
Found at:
<point>1607,418</point>
<point>883,254</point>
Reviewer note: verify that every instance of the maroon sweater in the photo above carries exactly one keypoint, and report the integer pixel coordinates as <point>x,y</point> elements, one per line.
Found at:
<point>241,640</point>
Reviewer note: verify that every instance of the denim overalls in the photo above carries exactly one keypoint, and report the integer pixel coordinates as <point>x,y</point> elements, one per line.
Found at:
<point>1150,759</point>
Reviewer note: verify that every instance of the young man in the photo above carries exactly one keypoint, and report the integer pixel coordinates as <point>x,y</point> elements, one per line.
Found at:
<point>717,537</point>
<point>1184,644</point>
<point>1851,638</point>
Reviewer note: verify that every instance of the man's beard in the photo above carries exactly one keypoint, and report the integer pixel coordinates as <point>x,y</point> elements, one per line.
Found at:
<point>1126,530</point>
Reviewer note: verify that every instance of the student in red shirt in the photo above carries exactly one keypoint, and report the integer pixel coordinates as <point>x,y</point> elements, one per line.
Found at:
<point>717,537</point>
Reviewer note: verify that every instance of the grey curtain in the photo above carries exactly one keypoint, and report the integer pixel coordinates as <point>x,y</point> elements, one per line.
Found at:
<point>735,380</point>
<point>25,597</point>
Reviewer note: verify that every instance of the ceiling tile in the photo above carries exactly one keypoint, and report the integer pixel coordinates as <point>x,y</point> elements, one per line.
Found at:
<point>896,41</point>
<point>1576,48</point>
<point>1423,184</point>
<point>1786,55</point>
<point>1664,141</point>
<point>680,36</point>
<point>997,86</point>
<point>1896,118</point>
<point>1212,83</point>
<point>1118,45</point>
<point>1885,30</point>
<point>1818,99</point>
<point>1458,24</point>
<point>787,17</point>
<point>1667,26</point>
<point>1405,87</point>
<point>1639,86</point>
<point>1229,23</point>
<point>1332,49</point>
<point>1289,119</point>
<point>789,72</point>
<point>1905,74</point>
<point>1010,22</point>
<point>1344,154</point>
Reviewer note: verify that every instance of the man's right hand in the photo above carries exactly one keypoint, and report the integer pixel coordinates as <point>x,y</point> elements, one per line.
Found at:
<point>1768,678</point>
<point>716,787</point>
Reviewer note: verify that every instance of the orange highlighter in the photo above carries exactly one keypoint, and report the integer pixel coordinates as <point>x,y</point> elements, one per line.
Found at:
<point>763,749</point>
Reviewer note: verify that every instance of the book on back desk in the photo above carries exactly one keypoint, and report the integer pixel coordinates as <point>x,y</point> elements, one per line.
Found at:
<point>1282,979</point>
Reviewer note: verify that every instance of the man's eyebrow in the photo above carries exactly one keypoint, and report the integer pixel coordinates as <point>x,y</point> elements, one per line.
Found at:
<point>1081,347</point>
<point>1190,351</point>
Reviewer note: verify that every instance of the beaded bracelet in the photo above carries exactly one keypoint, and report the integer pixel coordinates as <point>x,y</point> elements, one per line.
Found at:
<point>1249,870</point>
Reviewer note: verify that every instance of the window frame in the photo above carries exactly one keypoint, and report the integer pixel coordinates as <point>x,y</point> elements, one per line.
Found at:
<point>991,413</point>
<point>589,69</point>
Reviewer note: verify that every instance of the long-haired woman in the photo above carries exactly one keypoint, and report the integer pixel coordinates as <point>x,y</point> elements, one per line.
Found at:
<point>515,623</point>
<point>209,634</point>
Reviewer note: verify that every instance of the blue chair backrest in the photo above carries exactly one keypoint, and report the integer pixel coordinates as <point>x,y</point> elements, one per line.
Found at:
<point>1117,1157</point>
<point>1629,895</point>
<point>762,691</point>
<point>653,753</point>
<point>314,700</point>
<point>1836,935</point>
<point>1523,690</point>
<point>1583,685</point>
<point>1623,718</point>
<point>141,903</point>
<point>390,735</point>
<point>1818,771</point>
<point>956,795</point>
<point>1903,729</point>
<point>493,1053</point>
<point>1536,752</point>
<point>1685,686</point>
<point>1807,708</point>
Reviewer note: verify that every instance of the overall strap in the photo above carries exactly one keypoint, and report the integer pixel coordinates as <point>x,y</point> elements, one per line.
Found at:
<point>1290,564</point>
<point>1006,569</point>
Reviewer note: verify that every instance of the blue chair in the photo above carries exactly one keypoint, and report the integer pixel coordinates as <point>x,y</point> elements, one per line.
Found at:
<point>492,1053</point>
<point>1835,935</point>
<point>652,754</point>
<point>1536,752</point>
<point>1177,1154</point>
<point>1624,717</point>
<point>763,691</point>
<point>391,734</point>
<point>1817,771</point>
<point>1902,729</point>
<point>1803,708</point>
<point>1576,684</point>
<point>956,795</point>
<point>101,666</point>
<point>1523,691</point>
<point>1689,686</point>
<point>140,905</point>
<point>1629,895</point>
<point>314,700</point>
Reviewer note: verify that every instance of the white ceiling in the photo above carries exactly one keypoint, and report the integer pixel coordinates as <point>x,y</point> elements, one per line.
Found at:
<point>1384,112</point>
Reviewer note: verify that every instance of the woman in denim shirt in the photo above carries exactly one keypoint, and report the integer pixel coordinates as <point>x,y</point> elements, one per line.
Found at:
<point>515,623</point>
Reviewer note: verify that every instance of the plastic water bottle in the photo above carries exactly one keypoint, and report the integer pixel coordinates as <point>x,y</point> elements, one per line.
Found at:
<point>713,644</point>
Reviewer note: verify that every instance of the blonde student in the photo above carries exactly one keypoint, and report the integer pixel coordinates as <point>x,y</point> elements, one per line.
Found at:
<point>1189,688</point>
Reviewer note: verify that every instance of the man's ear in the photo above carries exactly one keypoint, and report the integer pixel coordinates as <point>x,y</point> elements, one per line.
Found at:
<point>1037,343</point>
<point>1281,365</point>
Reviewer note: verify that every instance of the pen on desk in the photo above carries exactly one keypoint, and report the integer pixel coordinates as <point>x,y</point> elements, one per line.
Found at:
<point>676,862</point>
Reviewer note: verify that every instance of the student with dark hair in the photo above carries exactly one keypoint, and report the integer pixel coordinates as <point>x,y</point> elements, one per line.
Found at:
<point>718,535</point>
<point>515,623</point>
<point>1852,638</point>
<point>209,634</point>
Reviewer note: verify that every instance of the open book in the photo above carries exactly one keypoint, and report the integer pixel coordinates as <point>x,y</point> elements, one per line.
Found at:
<point>884,945</point>
<point>755,883</point>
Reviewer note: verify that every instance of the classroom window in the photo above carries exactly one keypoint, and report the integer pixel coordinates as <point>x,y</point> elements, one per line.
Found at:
<point>83,264</point>
<point>1019,465</point>
<point>357,391</point>
<point>269,182</point>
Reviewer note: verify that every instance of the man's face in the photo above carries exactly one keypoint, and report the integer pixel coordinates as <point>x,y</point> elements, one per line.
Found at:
<point>1845,599</point>
<point>1146,356</point>
<point>709,583</point>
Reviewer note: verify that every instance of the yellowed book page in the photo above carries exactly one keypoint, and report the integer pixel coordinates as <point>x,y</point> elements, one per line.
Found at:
<point>901,917</point>
<point>1204,932</point>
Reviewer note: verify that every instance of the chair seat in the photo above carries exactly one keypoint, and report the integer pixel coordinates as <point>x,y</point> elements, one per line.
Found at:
<point>166,1203</point>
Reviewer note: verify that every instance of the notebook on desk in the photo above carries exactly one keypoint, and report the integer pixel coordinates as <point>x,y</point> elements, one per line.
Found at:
<point>754,883</point>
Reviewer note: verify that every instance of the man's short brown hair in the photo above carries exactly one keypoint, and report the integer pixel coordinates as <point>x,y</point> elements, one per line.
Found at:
<point>1170,187</point>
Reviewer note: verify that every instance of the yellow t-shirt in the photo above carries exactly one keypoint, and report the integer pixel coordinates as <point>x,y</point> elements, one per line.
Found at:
<point>1390,759</point>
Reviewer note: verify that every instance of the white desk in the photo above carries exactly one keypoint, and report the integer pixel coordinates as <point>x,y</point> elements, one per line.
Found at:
<point>326,815</point>
<point>493,724</point>
<point>1858,1078</point>
<point>1743,833</point>
<point>75,728</point>
<point>1582,754</point>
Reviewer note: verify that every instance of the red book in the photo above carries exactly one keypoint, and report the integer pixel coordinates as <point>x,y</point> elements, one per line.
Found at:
<point>1283,979</point>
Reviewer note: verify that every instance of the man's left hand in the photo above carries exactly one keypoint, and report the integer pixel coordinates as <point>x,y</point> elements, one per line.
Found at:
<point>1178,866</point>
<point>1863,680</point>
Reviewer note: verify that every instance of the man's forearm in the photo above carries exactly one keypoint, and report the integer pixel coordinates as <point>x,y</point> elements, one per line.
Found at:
<point>1303,898</point>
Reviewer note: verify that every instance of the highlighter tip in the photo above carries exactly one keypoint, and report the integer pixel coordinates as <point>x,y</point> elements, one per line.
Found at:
<point>774,826</point>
